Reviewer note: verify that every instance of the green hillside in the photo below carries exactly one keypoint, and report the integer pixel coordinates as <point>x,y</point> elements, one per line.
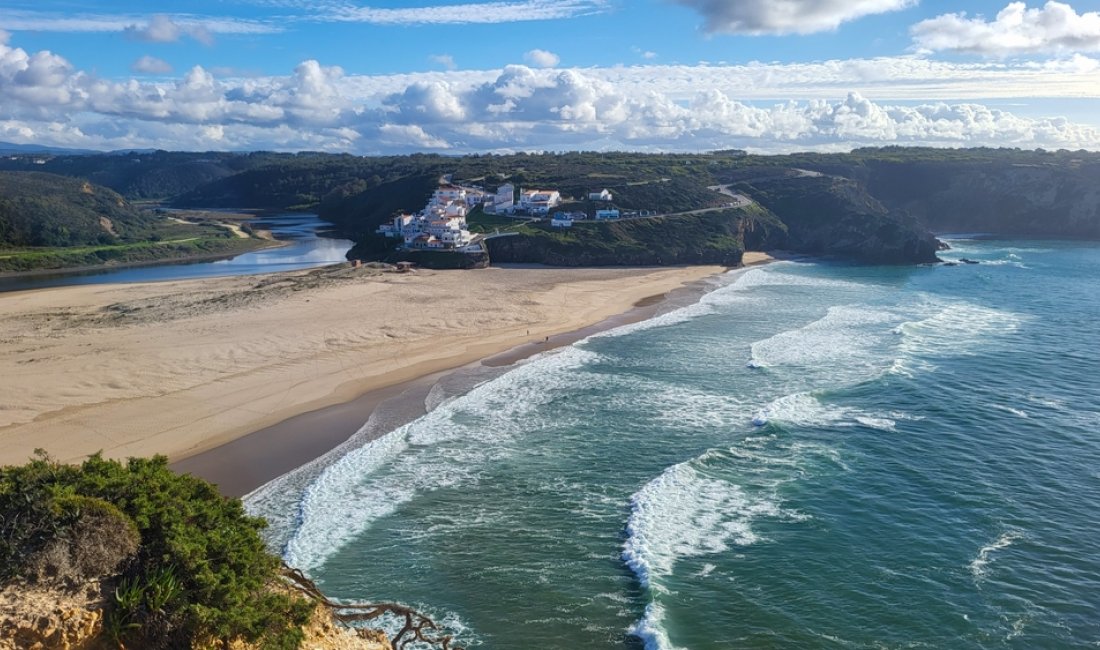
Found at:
<point>40,209</point>
<point>49,221</point>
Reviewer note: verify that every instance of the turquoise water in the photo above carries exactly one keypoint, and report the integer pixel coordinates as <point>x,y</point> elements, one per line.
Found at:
<point>923,471</point>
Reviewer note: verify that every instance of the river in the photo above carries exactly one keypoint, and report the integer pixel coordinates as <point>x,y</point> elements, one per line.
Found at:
<point>307,248</point>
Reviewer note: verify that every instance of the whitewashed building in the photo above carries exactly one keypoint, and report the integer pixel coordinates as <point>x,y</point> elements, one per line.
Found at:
<point>539,201</point>
<point>440,225</point>
<point>560,220</point>
<point>603,195</point>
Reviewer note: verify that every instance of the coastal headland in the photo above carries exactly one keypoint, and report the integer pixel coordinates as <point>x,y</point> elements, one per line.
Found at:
<point>178,368</point>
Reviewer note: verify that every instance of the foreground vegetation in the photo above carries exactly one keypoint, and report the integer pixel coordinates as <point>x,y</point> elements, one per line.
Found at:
<point>188,566</point>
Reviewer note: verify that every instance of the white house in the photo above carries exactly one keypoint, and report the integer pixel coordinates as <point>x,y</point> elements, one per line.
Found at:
<point>607,214</point>
<point>539,201</point>
<point>602,195</point>
<point>398,227</point>
<point>560,220</point>
<point>447,193</point>
<point>440,225</point>
<point>505,199</point>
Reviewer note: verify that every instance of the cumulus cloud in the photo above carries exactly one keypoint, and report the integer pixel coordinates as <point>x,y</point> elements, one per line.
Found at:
<point>445,60</point>
<point>151,65</point>
<point>786,16</point>
<point>542,58</point>
<point>44,98</point>
<point>1056,28</point>
<point>162,29</point>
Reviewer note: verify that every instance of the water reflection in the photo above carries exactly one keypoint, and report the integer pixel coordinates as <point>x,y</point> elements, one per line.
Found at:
<point>307,249</point>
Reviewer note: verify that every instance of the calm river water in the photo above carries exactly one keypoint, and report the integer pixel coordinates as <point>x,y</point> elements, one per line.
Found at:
<point>307,249</point>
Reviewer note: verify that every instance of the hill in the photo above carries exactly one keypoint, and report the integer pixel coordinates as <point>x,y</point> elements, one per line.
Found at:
<point>49,221</point>
<point>706,238</point>
<point>828,215</point>
<point>40,209</point>
<point>1003,192</point>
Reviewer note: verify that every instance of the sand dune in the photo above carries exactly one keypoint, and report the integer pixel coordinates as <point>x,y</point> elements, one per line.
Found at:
<point>180,367</point>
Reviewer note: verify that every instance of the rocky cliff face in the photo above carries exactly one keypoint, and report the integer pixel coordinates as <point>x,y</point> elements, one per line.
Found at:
<point>1060,200</point>
<point>51,618</point>
<point>827,215</point>
<point>54,617</point>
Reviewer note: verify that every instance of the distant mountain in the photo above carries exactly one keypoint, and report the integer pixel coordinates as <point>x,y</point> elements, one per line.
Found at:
<point>9,148</point>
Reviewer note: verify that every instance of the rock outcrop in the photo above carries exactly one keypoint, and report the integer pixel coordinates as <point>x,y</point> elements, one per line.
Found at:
<point>827,215</point>
<point>51,617</point>
<point>34,617</point>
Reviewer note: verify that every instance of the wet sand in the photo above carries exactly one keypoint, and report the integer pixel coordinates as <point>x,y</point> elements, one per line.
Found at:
<point>241,466</point>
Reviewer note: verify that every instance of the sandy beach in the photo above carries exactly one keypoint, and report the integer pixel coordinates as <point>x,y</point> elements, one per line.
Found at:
<point>178,368</point>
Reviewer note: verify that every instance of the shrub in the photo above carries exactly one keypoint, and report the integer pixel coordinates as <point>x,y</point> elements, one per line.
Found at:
<point>200,575</point>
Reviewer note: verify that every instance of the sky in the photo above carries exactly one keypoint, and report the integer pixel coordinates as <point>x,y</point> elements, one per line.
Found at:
<point>456,77</point>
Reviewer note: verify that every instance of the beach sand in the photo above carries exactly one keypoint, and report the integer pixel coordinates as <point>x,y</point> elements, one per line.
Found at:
<point>179,368</point>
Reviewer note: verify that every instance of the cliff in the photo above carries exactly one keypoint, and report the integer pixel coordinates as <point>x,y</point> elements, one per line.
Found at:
<point>57,617</point>
<point>1006,192</point>
<point>1006,198</point>
<point>111,555</point>
<point>703,238</point>
<point>828,215</point>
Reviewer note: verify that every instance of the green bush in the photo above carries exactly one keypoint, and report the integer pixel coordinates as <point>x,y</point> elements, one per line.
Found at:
<point>201,573</point>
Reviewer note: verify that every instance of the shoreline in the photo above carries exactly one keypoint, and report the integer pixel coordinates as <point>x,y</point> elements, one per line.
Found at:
<point>250,461</point>
<point>182,367</point>
<point>101,268</point>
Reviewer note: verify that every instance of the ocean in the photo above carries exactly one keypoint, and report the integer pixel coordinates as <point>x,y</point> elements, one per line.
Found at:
<point>814,455</point>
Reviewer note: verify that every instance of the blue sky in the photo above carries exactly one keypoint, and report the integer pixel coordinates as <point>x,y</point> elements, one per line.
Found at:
<point>767,75</point>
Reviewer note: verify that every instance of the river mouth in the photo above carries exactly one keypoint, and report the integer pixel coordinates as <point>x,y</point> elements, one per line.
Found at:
<point>305,246</point>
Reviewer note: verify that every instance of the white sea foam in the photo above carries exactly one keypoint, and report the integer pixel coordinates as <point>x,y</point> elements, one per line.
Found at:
<point>449,446</point>
<point>688,511</point>
<point>1009,409</point>
<point>651,629</point>
<point>682,407</point>
<point>954,329</point>
<point>806,410</point>
<point>705,571</point>
<point>984,557</point>
<point>731,288</point>
<point>683,513</point>
<point>846,343</point>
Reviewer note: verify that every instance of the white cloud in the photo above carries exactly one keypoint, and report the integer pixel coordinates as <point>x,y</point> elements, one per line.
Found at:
<point>162,29</point>
<point>39,21</point>
<point>542,58</point>
<point>786,16</point>
<point>1056,28</point>
<point>445,60</point>
<point>481,12</point>
<point>757,106</point>
<point>151,65</point>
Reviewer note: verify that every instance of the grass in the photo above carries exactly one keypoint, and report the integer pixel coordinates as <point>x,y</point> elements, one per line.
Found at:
<point>30,259</point>
<point>480,222</point>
